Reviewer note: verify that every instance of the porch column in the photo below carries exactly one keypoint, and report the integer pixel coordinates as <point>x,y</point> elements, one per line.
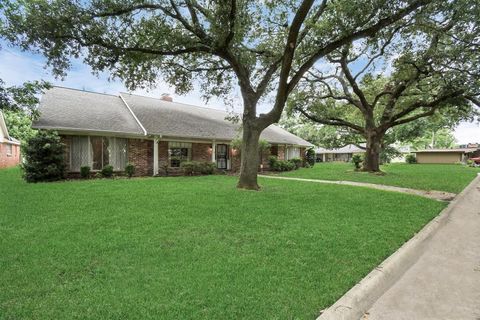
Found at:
<point>324,158</point>
<point>155,156</point>
<point>214,151</point>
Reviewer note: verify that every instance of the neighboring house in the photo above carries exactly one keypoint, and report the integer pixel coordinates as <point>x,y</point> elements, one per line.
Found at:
<point>341,154</point>
<point>9,147</point>
<point>155,135</point>
<point>446,155</point>
<point>403,150</point>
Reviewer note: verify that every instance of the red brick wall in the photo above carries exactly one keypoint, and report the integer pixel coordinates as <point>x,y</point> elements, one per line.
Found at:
<point>9,160</point>
<point>140,154</point>
<point>236,160</point>
<point>202,152</point>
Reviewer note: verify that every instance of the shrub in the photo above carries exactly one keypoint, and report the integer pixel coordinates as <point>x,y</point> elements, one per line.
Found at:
<point>85,172</point>
<point>310,158</point>
<point>206,167</point>
<point>357,160</point>
<point>130,170</point>
<point>297,162</point>
<point>410,158</point>
<point>43,158</point>
<point>107,171</point>
<point>282,165</point>
<point>272,161</point>
<point>191,168</point>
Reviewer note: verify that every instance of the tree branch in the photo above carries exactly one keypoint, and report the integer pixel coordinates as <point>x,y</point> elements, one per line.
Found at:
<point>364,105</point>
<point>332,121</point>
<point>287,60</point>
<point>367,32</point>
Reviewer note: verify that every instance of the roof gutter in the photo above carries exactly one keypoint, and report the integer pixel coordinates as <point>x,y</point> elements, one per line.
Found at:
<point>133,114</point>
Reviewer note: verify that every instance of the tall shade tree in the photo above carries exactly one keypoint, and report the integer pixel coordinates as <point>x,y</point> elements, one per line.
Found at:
<point>433,66</point>
<point>19,106</point>
<point>264,47</point>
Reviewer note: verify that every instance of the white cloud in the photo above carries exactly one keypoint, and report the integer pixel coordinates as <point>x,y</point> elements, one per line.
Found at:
<point>16,67</point>
<point>467,132</point>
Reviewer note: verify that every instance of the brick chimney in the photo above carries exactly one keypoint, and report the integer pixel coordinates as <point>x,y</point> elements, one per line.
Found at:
<point>166,97</point>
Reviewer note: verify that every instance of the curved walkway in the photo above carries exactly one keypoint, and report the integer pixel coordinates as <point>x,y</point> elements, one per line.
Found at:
<point>432,194</point>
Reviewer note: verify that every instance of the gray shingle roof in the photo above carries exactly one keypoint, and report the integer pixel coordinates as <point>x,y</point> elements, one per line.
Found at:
<point>171,119</point>
<point>74,110</point>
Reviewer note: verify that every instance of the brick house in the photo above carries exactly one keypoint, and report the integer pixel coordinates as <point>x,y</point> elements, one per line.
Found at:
<point>155,135</point>
<point>9,147</point>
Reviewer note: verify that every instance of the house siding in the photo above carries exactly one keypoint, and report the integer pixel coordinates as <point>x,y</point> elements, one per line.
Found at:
<point>140,154</point>
<point>439,157</point>
<point>9,160</point>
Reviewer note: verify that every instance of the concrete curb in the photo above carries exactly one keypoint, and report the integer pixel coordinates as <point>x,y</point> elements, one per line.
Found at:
<point>353,304</point>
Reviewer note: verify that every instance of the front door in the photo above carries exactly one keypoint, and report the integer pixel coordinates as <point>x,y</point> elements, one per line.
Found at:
<point>222,156</point>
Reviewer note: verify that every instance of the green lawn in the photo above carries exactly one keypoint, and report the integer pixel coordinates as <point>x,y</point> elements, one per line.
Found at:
<point>192,248</point>
<point>442,177</point>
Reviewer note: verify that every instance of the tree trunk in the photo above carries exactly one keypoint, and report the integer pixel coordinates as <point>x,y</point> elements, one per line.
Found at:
<point>250,157</point>
<point>371,163</point>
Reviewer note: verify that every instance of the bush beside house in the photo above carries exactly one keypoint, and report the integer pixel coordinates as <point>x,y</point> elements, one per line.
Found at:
<point>191,168</point>
<point>410,158</point>
<point>44,160</point>
<point>284,165</point>
<point>357,160</point>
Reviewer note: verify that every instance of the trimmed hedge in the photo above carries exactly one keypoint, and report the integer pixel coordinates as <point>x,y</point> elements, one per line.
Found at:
<point>85,172</point>
<point>107,171</point>
<point>130,170</point>
<point>284,165</point>
<point>191,168</point>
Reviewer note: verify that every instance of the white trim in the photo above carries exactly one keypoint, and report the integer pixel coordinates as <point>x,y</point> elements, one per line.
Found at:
<point>155,157</point>
<point>3,124</point>
<point>214,152</point>
<point>133,114</point>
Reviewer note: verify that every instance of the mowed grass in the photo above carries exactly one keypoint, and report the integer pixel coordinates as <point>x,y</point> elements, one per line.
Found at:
<point>442,177</point>
<point>192,247</point>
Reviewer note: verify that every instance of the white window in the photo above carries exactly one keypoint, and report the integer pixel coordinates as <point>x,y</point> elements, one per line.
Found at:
<point>97,152</point>
<point>9,150</point>
<point>179,152</point>
<point>292,152</point>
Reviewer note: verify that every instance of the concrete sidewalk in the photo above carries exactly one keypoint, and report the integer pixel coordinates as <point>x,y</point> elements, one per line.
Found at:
<point>431,194</point>
<point>445,281</point>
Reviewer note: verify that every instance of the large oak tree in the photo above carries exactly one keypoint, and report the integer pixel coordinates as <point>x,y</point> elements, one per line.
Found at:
<point>263,47</point>
<point>433,66</point>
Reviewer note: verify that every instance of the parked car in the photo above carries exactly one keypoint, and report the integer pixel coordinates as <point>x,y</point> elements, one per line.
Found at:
<point>476,160</point>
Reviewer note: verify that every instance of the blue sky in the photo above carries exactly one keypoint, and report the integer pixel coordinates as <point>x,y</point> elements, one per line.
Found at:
<point>17,67</point>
